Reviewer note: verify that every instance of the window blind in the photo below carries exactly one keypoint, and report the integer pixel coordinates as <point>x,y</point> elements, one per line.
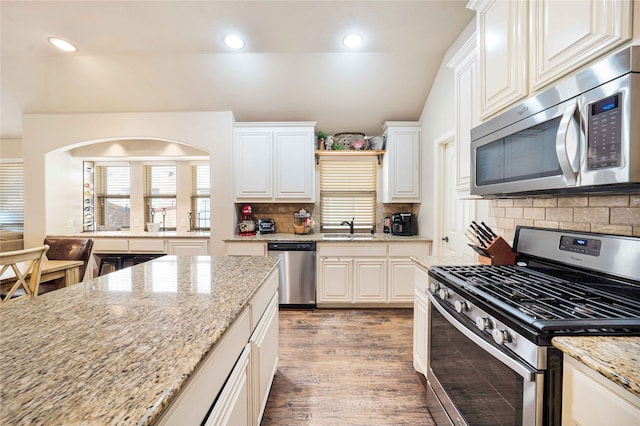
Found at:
<point>11,196</point>
<point>160,194</point>
<point>348,190</point>
<point>112,186</point>
<point>200,201</point>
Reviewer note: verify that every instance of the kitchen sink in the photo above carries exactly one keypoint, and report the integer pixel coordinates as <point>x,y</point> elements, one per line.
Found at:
<point>348,237</point>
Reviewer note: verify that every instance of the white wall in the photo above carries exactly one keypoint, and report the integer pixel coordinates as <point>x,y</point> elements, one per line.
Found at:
<point>438,121</point>
<point>49,190</point>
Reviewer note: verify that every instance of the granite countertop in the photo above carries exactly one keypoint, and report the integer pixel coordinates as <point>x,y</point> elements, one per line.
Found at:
<point>379,237</point>
<point>117,349</point>
<point>134,234</point>
<point>615,357</point>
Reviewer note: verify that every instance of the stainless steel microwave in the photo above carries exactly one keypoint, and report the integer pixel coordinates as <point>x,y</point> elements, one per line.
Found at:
<point>582,135</point>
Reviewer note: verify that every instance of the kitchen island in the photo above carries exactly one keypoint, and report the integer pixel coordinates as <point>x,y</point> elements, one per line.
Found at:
<point>124,348</point>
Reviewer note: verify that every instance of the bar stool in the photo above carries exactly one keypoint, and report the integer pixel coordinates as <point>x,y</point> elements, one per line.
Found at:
<point>114,261</point>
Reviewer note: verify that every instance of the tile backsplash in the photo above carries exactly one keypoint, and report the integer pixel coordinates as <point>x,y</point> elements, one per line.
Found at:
<point>610,214</point>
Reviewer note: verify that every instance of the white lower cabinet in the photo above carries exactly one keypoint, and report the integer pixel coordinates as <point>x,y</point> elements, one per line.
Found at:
<point>234,403</point>
<point>377,274</point>
<point>590,399</point>
<point>246,249</point>
<point>264,358</point>
<point>420,322</point>
<point>188,247</point>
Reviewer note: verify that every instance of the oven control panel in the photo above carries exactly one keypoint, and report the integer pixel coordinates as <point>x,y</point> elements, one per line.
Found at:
<point>588,246</point>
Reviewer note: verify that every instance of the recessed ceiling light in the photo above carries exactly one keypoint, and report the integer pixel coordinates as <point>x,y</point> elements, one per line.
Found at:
<point>352,41</point>
<point>234,42</point>
<point>62,44</point>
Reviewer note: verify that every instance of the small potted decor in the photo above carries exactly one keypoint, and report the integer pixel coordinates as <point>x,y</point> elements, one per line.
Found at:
<point>321,138</point>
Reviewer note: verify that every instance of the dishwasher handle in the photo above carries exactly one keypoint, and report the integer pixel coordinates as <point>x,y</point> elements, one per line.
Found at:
<point>291,246</point>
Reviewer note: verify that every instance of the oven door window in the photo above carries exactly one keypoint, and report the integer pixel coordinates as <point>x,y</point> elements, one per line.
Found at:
<point>483,389</point>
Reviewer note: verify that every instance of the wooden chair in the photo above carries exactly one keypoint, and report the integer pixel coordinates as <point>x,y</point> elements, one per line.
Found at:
<point>26,266</point>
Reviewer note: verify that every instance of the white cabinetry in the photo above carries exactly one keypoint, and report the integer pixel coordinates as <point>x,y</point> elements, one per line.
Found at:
<point>502,53</point>
<point>188,247</point>
<point>568,34</point>
<point>420,322</point>
<point>234,403</point>
<point>466,109</point>
<point>590,399</point>
<point>524,46</point>
<point>401,164</point>
<point>246,249</point>
<point>264,358</point>
<point>378,274</point>
<point>274,162</point>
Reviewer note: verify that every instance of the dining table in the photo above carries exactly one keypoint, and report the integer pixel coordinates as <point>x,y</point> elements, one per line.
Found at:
<point>68,271</point>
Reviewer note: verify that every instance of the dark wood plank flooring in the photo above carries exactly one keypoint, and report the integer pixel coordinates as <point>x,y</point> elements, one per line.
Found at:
<point>346,367</point>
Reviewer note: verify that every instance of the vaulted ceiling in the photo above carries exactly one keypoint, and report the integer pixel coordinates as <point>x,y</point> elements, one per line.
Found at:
<point>149,55</point>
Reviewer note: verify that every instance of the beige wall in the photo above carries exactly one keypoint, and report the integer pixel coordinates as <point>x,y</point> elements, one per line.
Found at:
<point>50,183</point>
<point>10,149</point>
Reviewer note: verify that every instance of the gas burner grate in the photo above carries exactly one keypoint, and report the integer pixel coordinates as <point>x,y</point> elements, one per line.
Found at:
<point>539,296</point>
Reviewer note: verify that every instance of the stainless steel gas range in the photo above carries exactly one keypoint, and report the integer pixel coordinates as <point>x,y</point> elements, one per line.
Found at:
<point>490,327</point>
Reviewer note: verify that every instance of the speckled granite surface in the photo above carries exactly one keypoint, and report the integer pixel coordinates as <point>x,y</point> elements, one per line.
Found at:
<point>141,234</point>
<point>429,261</point>
<point>117,349</point>
<point>379,237</point>
<point>616,358</point>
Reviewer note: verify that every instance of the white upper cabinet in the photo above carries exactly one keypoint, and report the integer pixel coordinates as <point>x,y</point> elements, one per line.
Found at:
<point>401,165</point>
<point>274,162</point>
<point>464,63</point>
<point>524,46</point>
<point>568,34</point>
<point>502,53</point>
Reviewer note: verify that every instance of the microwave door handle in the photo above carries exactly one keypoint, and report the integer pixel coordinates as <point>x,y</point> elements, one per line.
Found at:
<point>562,141</point>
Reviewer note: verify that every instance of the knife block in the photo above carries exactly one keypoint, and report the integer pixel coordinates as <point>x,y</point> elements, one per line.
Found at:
<point>501,253</point>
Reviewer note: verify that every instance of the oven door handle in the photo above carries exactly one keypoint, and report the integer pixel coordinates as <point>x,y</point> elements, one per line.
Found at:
<point>525,372</point>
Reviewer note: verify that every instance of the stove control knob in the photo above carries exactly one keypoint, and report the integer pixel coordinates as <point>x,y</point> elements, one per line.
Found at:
<point>461,306</point>
<point>501,336</point>
<point>434,287</point>
<point>443,293</point>
<point>483,323</point>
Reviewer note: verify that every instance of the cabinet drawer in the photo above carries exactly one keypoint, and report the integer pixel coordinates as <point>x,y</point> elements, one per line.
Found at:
<point>246,249</point>
<point>263,296</point>
<point>352,250</point>
<point>409,249</point>
<point>148,245</point>
<point>111,245</point>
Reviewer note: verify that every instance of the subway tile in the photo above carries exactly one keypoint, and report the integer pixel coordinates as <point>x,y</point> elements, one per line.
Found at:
<point>591,215</point>
<point>609,200</point>
<point>534,213</point>
<point>505,202</point>
<point>547,224</point>
<point>523,202</point>
<point>575,226</point>
<point>636,231</point>
<point>505,223</point>
<point>625,215</point>
<point>514,212</point>
<point>573,202</point>
<point>524,222</point>
<point>545,202</point>
<point>634,200</point>
<point>559,214</point>
<point>612,229</point>
<point>498,211</point>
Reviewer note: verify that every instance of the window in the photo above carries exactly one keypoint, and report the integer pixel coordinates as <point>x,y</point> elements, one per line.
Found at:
<point>160,195</point>
<point>113,207</point>
<point>200,201</point>
<point>348,190</point>
<point>11,196</point>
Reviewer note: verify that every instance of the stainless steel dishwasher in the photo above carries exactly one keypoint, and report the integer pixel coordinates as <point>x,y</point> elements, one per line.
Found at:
<point>297,269</point>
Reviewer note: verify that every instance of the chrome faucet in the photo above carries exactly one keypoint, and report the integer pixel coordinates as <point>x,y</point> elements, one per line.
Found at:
<point>350,223</point>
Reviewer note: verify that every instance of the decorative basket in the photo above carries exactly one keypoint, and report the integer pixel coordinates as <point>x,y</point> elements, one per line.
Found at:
<point>346,141</point>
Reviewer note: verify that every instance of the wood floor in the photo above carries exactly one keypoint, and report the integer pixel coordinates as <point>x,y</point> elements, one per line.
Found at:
<point>346,367</point>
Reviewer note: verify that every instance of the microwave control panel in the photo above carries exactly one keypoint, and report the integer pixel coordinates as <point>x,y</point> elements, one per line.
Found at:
<point>605,134</point>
